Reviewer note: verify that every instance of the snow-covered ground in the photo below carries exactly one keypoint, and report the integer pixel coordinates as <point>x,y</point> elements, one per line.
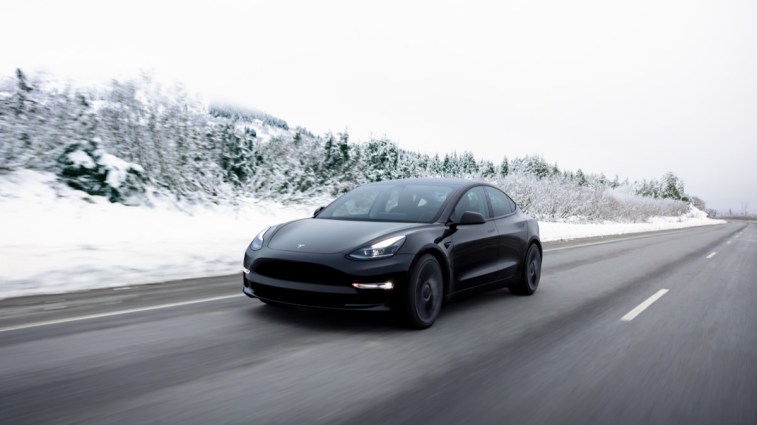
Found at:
<point>54,239</point>
<point>565,231</point>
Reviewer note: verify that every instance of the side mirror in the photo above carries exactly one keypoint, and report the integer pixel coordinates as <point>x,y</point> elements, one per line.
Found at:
<point>318,211</point>
<point>471,217</point>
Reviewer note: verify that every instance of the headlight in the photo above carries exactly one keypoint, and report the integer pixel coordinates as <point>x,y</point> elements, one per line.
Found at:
<point>382,249</point>
<point>257,243</point>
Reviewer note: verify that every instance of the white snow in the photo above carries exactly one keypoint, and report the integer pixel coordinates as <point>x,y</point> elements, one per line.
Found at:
<point>564,231</point>
<point>54,239</point>
<point>117,169</point>
<point>82,159</point>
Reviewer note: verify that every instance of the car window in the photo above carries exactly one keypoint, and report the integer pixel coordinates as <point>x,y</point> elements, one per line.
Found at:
<point>357,206</point>
<point>473,200</point>
<point>501,203</point>
<point>417,203</point>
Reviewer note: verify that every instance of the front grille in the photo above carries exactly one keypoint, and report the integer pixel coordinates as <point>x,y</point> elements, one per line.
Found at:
<point>295,271</point>
<point>367,299</point>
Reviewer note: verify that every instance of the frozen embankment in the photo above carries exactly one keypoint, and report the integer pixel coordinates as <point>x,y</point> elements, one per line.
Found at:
<point>54,239</point>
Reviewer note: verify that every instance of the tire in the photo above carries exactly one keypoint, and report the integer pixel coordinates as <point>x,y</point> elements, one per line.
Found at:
<point>424,293</point>
<point>529,279</point>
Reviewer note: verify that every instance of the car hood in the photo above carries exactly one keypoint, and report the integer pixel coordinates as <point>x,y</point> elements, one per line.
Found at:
<point>327,236</point>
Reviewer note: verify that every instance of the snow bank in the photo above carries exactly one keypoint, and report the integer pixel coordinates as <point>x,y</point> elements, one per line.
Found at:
<point>54,239</point>
<point>565,231</point>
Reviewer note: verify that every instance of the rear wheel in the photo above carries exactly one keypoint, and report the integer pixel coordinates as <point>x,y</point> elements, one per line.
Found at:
<point>424,293</point>
<point>529,279</point>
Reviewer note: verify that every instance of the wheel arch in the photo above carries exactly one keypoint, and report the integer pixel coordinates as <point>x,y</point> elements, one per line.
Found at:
<point>537,242</point>
<point>532,241</point>
<point>439,255</point>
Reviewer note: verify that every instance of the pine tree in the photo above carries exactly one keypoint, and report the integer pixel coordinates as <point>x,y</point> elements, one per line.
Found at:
<point>580,178</point>
<point>671,187</point>
<point>504,167</point>
<point>468,166</point>
<point>381,158</point>
<point>487,169</point>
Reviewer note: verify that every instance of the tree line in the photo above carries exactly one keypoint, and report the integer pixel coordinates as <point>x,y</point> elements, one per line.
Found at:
<point>136,138</point>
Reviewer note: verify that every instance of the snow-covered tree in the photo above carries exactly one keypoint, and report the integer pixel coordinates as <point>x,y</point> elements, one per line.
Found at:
<point>504,167</point>
<point>381,158</point>
<point>136,136</point>
<point>89,168</point>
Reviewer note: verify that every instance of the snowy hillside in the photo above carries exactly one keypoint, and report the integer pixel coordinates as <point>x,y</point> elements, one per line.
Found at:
<point>136,183</point>
<point>56,239</point>
<point>135,141</point>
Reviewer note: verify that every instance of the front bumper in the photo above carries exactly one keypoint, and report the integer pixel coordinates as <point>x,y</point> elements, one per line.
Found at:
<point>323,280</point>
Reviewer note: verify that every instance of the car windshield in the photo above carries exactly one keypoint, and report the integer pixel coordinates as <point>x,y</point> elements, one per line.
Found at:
<point>413,203</point>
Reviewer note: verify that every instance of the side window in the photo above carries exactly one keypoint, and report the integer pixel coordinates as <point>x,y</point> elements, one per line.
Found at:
<point>501,203</point>
<point>473,200</point>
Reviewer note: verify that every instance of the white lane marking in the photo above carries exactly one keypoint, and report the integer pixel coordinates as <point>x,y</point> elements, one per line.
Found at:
<point>712,254</point>
<point>643,306</point>
<point>122,288</point>
<point>115,313</point>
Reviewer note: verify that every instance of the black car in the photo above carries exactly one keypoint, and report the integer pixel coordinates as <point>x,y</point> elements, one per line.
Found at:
<point>401,245</point>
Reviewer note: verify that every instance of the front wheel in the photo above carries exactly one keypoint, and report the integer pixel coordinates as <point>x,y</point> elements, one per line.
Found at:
<point>529,279</point>
<point>424,293</point>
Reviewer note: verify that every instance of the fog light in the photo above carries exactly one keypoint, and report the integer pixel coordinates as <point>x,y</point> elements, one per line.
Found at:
<point>385,286</point>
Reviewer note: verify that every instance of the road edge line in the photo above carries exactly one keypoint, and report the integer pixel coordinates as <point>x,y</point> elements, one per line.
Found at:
<point>115,313</point>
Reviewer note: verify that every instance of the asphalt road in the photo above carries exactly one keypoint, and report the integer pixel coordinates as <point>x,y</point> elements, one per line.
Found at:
<point>580,351</point>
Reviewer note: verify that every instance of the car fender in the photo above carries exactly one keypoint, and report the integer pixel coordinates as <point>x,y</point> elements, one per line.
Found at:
<point>441,257</point>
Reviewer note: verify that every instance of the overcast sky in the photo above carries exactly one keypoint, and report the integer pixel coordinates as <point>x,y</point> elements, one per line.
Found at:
<point>632,88</point>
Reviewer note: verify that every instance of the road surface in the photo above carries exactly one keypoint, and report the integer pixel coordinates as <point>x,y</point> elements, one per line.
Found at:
<point>653,329</point>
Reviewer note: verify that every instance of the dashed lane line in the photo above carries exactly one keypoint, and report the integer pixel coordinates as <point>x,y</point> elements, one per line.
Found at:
<point>643,306</point>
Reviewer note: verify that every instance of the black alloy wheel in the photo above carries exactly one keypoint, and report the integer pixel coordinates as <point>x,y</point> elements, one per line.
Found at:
<point>529,280</point>
<point>425,293</point>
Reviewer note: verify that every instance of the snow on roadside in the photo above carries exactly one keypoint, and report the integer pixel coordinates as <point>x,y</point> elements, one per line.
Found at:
<point>54,239</point>
<point>566,231</point>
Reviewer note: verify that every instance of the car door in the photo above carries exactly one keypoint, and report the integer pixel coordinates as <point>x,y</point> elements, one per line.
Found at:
<point>511,229</point>
<point>473,247</point>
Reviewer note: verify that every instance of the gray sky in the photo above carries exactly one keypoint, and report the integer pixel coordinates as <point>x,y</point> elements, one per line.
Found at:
<point>632,88</point>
